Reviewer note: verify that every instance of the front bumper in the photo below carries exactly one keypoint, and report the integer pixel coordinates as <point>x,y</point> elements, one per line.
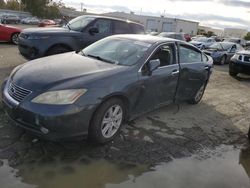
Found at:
<point>30,49</point>
<point>51,122</point>
<point>239,67</point>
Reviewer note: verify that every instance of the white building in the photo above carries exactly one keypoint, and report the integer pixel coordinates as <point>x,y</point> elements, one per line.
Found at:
<point>159,24</point>
<point>234,32</point>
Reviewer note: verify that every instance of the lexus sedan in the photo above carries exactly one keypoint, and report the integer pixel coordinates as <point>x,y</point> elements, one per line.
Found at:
<point>222,52</point>
<point>92,92</point>
<point>9,33</point>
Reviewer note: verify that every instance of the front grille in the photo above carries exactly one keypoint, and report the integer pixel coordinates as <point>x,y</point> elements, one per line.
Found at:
<point>18,93</point>
<point>247,58</point>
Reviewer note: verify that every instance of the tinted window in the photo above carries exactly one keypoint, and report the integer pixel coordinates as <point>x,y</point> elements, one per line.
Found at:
<point>79,23</point>
<point>103,25</point>
<point>189,55</point>
<point>179,37</point>
<point>121,27</point>
<point>137,29</point>
<point>165,54</point>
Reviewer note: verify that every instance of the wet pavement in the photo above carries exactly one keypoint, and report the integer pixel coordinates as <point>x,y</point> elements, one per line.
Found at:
<point>225,166</point>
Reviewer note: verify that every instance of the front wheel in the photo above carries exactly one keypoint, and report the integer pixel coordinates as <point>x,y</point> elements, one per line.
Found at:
<point>107,121</point>
<point>14,38</point>
<point>198,96</point>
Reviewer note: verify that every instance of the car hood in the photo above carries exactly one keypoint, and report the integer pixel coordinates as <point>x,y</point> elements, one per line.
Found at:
<point>196,42</point>
<point>47,30</point>
<point>244,52</point>
<point>51,71</point>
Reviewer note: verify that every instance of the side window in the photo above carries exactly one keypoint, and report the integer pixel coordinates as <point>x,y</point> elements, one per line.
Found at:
<point>121,27</point>
<point>189,55</point>
<point>204,58</point>
<point>166,55</point>
<point>103,25</point>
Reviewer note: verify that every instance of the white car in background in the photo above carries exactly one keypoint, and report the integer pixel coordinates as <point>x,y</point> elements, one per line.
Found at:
<point>203,42</point>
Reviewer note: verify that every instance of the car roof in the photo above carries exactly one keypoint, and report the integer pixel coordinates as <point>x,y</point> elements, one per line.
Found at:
<point>146,38</point>
<point>112,18</point>
<point>232,43</point>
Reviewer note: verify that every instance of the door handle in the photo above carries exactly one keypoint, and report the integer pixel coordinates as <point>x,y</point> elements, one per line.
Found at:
<point>206,68</point>
<point>174,72</point>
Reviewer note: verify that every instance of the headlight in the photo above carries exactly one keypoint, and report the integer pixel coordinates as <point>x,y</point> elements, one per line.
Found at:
<point>238,57</point>
<point>36,37</point>
<point>60,97</point>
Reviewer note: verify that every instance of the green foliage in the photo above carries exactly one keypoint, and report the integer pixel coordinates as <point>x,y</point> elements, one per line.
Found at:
<point>12,5</point>
<point>247,37</point>
<point>2,4</point>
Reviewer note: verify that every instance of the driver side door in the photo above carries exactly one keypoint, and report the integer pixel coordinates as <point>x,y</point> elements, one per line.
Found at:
<point>158,88</point>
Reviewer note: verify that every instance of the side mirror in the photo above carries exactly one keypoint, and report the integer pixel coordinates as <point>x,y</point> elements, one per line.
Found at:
<point>153,65</point>
<point>93,30</point>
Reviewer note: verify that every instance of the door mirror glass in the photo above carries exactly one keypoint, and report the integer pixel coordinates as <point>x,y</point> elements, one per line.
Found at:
<point>93,30</point>
<point>154,64</point>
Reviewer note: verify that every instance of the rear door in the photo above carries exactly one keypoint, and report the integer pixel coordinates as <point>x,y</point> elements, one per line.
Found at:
<point>194,71</point>
<point>4,36</point>
<point>159,88</point>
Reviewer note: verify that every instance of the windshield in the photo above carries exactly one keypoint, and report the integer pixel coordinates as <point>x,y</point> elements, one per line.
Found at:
<point>118,51</point>
<point>216,46</point>
<point>79,23</point>
<point>201,39</point>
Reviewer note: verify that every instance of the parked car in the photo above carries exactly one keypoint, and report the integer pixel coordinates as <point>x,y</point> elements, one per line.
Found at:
<point>240,63</point>
<point>9,33</point>
<point>178,36</point>
<point>240,41</point>
<point>221,52</point>
<point>8,19</point>
<point>202,42</point>
<point>113,80</point>
<point>74,36</point>
<point>30,21</point>
<point>44,23</point>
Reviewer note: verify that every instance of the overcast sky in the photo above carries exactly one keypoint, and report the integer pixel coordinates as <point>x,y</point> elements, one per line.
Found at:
<point>215,13</point>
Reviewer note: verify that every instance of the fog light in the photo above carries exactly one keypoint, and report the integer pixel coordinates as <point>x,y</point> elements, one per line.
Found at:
<point>44,130</point>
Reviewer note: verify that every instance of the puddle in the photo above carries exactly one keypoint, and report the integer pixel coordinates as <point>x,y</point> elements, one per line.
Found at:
<point>223,167</point>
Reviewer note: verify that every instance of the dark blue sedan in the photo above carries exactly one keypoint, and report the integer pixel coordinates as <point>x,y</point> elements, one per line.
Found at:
<point>91,93</point>
<point>222,52</point>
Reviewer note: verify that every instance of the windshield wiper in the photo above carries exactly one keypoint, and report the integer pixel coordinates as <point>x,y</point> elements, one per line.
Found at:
<point>68,26</point>
<point>100,58</point>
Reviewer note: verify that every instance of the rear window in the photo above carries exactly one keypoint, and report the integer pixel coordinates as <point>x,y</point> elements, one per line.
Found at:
<point>137,29</point>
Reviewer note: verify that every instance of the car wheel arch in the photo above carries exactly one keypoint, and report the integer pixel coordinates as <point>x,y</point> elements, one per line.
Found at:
<point>120,96</point>
<point>59,45</point>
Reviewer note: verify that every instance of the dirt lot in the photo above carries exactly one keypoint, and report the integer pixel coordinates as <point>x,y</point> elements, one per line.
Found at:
<point>170,132</point>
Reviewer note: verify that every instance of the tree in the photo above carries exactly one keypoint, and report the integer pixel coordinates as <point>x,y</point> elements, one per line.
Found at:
<point>2,4</point>
<point>247,37</point>
<point>12,5</point>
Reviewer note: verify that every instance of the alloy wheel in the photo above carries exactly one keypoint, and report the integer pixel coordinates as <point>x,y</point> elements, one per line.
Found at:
<point>112,121</point>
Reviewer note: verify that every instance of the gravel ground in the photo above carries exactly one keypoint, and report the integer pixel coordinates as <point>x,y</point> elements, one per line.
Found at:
<point>174,131</point>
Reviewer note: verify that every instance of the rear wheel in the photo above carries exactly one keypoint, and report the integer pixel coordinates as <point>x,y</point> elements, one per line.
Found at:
<point>14,38</point>
<point>58,50</point>
<point>198,96</point>
<point>232,73</point>
<point>107,121</point>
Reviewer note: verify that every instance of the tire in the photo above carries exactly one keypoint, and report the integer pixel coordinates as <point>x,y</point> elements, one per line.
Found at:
<point>106,125</point>
<point>57,50</point>
<point>232,73</point>
<point>198,96</point>
<point>14,38</point>
<point>223,60</point>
